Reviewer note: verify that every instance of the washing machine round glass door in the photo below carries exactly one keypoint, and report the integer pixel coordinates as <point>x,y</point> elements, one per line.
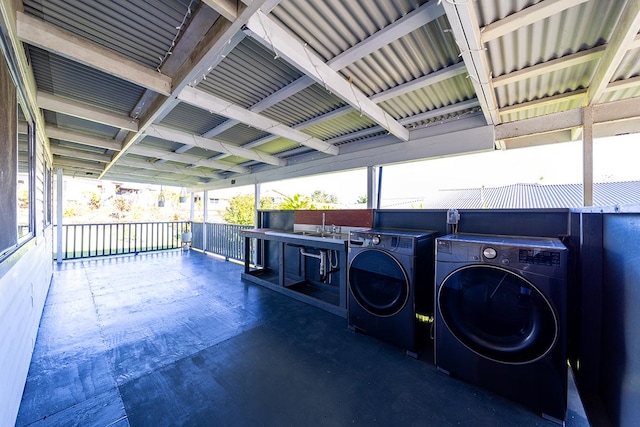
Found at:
<point>497,314</point>
<point>378,282</point>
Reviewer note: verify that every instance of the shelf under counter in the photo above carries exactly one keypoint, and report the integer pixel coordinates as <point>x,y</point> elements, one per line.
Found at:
<point>331,298</point>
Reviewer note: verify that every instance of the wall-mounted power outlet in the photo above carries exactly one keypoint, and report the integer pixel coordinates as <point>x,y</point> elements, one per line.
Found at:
<point>453,216</point>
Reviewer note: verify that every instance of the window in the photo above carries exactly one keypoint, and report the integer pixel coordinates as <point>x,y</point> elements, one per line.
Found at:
<point>26,170</point>
<point>17,165</point>
<point>8,159</point>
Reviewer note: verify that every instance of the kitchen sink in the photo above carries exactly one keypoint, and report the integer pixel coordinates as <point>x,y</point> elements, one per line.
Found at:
<point>314,235</point>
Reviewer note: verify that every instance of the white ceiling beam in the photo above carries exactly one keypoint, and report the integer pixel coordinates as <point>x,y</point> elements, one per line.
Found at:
<point>85,111</point>
<point>443,111</point>
<point>408,87</point>
<point>410,22</point>
<point>549,66</point>
<point>603,114</point>
<point>226,8</point>
<point>58,150</point>
<point>403,26</point>
<point>541,124</point>
<point>421,82</point>
<point>51,38</point>
<point>165,167</point>
<point>476,139</point>
<point>140,175</point>
<point>54,132</point>
<point>625,109</point>
<point>185,158</point>
<point>224,108</point>
<point>464,25</point>
<point>169,134</point>
<point>214,48</point>
<point>527,16</point>
<point>77,164</point>
<point>629,83</point>
<point>623,37</point>
<point>543,102</point>
<point>263,29</point>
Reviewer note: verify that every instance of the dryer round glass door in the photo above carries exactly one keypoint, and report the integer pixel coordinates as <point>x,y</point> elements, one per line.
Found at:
<point>497,314</point>
<point>378,282</point>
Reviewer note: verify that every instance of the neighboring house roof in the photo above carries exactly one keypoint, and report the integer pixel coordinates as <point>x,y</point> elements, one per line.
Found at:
<point>531,196</point>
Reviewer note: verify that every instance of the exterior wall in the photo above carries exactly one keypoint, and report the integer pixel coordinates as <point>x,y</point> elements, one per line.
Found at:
<point>25,276</point>
<point>23,290</point>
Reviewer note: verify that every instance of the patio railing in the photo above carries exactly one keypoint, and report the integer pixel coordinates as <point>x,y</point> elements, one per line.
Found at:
<point>221,239</point>
<point>94,240</point>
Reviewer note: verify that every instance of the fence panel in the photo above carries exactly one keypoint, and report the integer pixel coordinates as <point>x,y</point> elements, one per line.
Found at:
<point>92,240</point>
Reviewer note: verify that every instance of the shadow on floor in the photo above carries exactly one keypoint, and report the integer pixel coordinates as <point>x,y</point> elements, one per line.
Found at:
<point>176,338</point>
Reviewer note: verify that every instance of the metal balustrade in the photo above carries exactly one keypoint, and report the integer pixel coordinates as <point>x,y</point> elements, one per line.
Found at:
<point>94,240</point>
<point>221,239</point>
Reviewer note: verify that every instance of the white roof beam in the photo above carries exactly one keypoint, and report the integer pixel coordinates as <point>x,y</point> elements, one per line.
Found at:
<point>185,158</point>
<point>140,175</point>
<point>86,112</point>
<point>550,66</point>
<point>623,37</point>
<point>421,82</point>
<point>214,47</point>
<point>413,20</point>
<point>224,108</point>
<point>403,26</point>
<point>169,134</point>
<point>65,163</point>
<point>58,150</point>
<point>263,29</point>
<point>54,132</point>
<point>51,38</point>
<point>464,25</point>
<point>226,8</point>
<point>610,112</point>
<point>527,16</point>
<point>549,100</point>
<point>164,167</point>
<point>443,111</point>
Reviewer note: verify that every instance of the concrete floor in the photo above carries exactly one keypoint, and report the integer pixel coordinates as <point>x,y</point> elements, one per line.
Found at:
<point>176,338</point>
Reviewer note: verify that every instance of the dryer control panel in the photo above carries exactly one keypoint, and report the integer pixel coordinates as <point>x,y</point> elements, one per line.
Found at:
<point>536,255</point>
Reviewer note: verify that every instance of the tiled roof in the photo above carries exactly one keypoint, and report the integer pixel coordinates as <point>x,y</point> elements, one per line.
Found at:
<point>532,196</point>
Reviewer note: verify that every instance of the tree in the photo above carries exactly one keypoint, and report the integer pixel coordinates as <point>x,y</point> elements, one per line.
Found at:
<point>362,200</point>
<point>241,209</point>
<point>319,196</point>
<point>121,205</point>
<point>297,201</point>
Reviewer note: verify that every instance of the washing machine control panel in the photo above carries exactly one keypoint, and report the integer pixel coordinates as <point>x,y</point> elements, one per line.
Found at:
<point>508,255</point>
<point>394,241</point>
<point>538,257</point>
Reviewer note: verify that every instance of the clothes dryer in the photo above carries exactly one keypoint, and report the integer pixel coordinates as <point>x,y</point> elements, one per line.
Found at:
<point>390,279</point>
<point>500,320</point>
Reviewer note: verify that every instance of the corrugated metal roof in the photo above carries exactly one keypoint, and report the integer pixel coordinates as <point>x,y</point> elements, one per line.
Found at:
<point>192,119</point>
<point>559,35</point>
<point>304,105</point>
<point>402,55</point>
<point>141,31</point>
<point>534,196</point>
<point>75,123</point>
<point>248,74</point>
<point>72,80</point>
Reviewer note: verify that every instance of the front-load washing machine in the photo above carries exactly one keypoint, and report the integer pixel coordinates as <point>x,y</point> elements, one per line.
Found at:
<point>390,279</point>
<point>500,320</point>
